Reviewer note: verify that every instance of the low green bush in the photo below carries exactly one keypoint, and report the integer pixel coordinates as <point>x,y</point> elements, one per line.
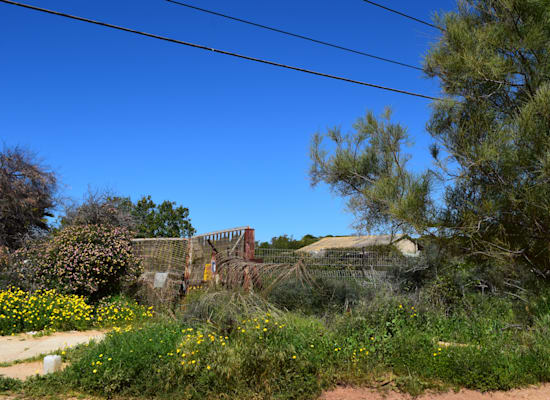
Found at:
<point>319,297</point>
<point>294,357</point>
<point>120,311</point>
<point>49,310</point>
<point>224,308</point>
<point>128,361</point>
<point>9,384</point>
<point>240,349</point>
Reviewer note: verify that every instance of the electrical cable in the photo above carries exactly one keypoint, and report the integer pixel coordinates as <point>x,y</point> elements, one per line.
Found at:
<point>198,46</point>
<point>294,35</point>
<point>404,15</point>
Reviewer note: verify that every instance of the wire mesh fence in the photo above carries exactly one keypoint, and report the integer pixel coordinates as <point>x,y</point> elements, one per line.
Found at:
<point>163,261</point>
<point>172,263</point>
<point>162,254</point>
<point>345,260</point>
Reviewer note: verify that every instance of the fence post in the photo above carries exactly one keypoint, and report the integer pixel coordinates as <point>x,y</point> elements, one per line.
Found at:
<point>249,244</point>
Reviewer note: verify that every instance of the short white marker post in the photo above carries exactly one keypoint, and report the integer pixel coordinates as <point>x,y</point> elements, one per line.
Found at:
<point>52,364</point>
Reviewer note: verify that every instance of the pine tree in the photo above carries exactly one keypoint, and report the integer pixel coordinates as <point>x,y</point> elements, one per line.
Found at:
<point>492,141</point>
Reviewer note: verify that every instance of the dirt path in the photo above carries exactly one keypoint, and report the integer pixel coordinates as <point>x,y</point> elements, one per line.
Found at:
<point>345,393</point>
<point>23,346</point>
<point>22,371</point>
<point>532,393</point>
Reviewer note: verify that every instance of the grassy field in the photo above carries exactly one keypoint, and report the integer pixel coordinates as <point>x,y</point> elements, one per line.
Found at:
<point>237,345</point>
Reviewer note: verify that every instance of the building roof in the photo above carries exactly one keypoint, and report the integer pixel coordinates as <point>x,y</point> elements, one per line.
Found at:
<point>401,242</point>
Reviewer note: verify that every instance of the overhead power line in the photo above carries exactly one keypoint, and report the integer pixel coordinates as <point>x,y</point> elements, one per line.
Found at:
<point>404,15</point>
<point>295,35</point>
<point>198,46</point>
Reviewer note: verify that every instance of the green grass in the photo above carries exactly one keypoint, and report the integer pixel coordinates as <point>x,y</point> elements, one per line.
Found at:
<point>9,384</point>
<point>246,351</point>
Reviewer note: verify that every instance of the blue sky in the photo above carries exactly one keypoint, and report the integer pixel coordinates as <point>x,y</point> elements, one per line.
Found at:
<point>227,138</point>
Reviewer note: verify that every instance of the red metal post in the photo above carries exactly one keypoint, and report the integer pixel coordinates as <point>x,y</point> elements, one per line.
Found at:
<point>249,244</point>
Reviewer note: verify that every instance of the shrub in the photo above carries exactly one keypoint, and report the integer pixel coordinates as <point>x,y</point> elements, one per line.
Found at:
<point>224,308</point>
<point>448,290</point>
<point>90,260</point>
<point>259,354</point>
<point>4,253</point>
<point>120,311</point>
<point>49,310</point>
<point>5,274</point>
<point>27,196</point>
<point>320,296</point>
<point>21,268</point>
<point>264,358</point>
<point>100,208</point>
<point>8,384</point>
<point>125,361</point>
<point>23,311</point>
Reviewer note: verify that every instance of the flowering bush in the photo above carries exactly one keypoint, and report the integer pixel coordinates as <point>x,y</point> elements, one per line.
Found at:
<point>43,309</point>
<point>289,355</point>
<point>90,260</point>
<point>22,311</point>
<point>120,311</point>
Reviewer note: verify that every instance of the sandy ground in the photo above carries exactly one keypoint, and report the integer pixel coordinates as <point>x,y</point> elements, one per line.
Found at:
<point>22,371</point>
<point>533,393</point>
<point>345,393</point>
<point>23,346</point>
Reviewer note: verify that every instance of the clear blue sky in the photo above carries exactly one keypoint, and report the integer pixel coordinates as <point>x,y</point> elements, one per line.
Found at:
<point>227,138</point>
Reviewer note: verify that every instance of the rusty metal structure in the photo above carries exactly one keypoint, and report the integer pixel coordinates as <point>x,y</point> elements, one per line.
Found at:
<point>237,242</point>
<point>228,258</point>
<point>172,265</point>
